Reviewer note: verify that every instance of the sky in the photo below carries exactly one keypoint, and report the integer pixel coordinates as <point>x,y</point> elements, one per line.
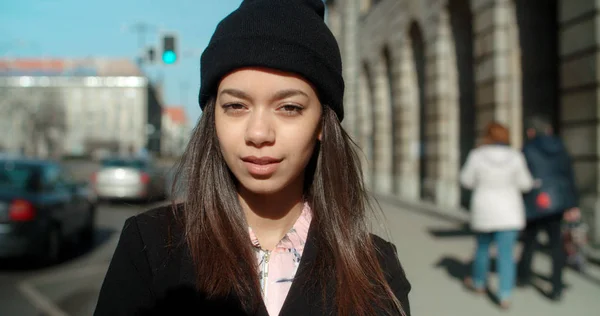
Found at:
<point>92,28</point>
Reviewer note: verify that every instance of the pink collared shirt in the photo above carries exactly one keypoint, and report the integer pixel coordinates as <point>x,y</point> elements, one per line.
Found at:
<point>278,267</point>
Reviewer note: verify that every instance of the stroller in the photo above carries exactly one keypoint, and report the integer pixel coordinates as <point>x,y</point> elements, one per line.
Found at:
<point>575,237</point>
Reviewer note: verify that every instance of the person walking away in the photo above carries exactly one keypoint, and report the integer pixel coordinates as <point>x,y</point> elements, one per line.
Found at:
<point>547,206</point>
<point>498,176</point>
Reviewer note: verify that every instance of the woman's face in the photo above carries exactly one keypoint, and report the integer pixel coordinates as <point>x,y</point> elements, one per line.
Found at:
<point>267,124</point>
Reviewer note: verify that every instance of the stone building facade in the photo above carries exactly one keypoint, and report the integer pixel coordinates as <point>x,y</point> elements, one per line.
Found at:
<point>424,77</point>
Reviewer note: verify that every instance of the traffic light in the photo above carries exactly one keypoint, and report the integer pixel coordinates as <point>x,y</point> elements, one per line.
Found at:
<point>151,55</point>
<point>169,54</point>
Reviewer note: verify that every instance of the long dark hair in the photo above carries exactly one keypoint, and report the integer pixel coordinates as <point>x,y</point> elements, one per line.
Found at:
<point>217,235</point>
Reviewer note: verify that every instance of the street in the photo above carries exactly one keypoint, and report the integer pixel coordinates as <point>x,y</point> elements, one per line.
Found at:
<point>73,284</point>
<point>435,254</point>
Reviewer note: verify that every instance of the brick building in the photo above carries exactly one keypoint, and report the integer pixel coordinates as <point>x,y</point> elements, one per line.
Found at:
<point>425,76</point>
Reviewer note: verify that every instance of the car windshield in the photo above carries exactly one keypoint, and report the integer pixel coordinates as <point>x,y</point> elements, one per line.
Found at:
<point>127,163</point>
<point>18,176</point>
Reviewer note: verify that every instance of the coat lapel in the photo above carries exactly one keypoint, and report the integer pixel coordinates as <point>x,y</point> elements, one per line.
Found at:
<point>187,275</point>
<point>300,300</point>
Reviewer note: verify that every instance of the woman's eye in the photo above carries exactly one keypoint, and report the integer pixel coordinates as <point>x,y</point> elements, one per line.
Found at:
<point>233,107</point>
<point>291,109</point>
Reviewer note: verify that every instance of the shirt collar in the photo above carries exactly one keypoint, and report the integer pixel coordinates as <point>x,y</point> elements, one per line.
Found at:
<point>298,231</point>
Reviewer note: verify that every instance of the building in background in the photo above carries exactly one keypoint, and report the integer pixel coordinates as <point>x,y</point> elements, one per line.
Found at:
<point>77,107</point>
<point>175,131</point>
<point>423,78</point>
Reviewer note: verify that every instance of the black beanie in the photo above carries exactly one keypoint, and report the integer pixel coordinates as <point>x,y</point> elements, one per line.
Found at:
<point>285,35</point>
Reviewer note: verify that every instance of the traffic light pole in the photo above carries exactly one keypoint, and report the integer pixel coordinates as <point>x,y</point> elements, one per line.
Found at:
<point>142,29</point>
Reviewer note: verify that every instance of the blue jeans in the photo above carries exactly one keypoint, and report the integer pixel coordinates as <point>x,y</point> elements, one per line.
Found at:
<point>505,242</point>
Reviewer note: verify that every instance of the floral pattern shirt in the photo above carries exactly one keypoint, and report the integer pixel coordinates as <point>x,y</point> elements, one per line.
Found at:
<point>278,267</point>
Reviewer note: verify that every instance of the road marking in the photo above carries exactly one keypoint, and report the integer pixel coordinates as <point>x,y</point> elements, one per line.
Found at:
<point>42,302</point>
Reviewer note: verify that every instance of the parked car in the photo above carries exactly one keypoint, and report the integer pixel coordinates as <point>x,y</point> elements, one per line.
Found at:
<point>125,178</point>
<point>41,207</point>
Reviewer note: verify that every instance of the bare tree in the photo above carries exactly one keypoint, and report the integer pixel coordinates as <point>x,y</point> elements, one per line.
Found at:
<point>11,108</point>
<point>36,117</point>
<point>49,122</point>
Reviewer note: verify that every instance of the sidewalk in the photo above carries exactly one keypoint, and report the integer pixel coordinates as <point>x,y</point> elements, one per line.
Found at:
<point>436,252</point>
<point>459,216</point>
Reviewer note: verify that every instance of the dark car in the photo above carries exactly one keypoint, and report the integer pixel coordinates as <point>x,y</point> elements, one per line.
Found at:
<point>41,207</point>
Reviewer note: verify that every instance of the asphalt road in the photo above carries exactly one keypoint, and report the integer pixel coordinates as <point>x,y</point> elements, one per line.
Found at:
<point>71,285</point>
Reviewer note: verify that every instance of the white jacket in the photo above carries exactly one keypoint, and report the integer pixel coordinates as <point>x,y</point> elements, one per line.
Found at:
<point>498,176</point>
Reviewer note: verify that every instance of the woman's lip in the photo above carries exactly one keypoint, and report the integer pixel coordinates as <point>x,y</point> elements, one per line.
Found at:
<point>261,160</point>
<point>261,170</point>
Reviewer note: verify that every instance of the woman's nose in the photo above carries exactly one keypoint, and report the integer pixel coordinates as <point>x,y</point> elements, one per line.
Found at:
<point>260,131</point>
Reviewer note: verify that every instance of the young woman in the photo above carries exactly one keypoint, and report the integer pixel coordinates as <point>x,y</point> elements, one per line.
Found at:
<point>274,217</point>
<point>498,175</point>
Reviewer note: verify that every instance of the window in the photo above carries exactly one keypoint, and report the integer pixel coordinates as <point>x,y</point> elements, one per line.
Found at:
<point>19,177</point>
<point>131,163</point>
<point>55,178</point>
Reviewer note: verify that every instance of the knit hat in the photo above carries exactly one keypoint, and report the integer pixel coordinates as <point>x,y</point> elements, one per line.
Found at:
<point>285,35</point>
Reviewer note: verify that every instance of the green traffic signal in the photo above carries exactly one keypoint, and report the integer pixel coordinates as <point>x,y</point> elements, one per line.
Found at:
<point>169,49</point>
<point>169,57</point>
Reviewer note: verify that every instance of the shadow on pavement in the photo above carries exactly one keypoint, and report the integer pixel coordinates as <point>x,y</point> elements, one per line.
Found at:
<point>542,284</point>
<point>71,251</point>
<point>455,268</point>
<point>460,231</point>
<point>543,248</point>
<point>459,270</point>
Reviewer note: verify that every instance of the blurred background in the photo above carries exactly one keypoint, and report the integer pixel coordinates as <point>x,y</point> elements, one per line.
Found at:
<point>98,99</point>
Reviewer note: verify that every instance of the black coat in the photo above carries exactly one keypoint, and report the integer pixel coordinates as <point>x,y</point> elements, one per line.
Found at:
<point>146,277</point>
<point>549,161</point>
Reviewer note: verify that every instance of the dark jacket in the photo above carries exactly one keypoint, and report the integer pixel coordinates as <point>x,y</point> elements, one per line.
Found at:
<point>549,161</point>
<point>146,277</point>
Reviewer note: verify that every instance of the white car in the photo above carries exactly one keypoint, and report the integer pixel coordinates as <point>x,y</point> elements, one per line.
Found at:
<point>128,178</point>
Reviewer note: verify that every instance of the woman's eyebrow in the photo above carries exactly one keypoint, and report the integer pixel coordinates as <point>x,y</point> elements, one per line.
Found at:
<point>288,93</point>
<point>282,94</point>
<point>236,93</point>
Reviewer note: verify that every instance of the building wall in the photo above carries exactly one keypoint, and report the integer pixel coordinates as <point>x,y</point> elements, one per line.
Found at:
<point>417,107</point>
<point>105,115</point>
<point>579,113</point>
<point>98,111</point>
<point>175,137</point>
